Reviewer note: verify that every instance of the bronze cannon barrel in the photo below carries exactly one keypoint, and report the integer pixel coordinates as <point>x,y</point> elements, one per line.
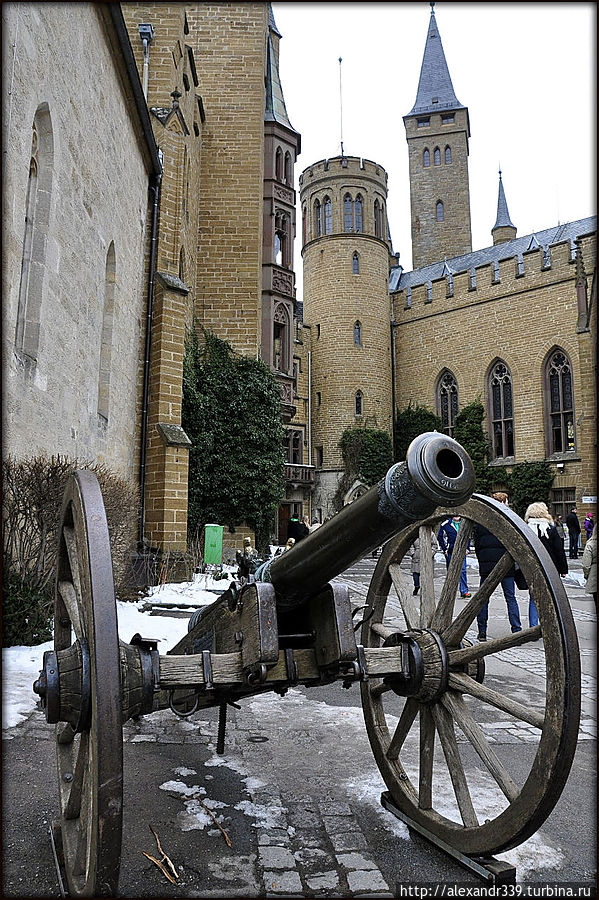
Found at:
<point>437,472</point>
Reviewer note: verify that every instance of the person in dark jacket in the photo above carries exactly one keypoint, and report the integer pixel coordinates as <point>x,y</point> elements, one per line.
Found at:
<point>446,536</point>
<point>489,551</point>
<point>295,529</point>
<point>573,526</point>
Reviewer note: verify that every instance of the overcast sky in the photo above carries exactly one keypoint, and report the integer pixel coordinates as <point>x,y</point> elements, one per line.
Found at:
<point>526,72</point>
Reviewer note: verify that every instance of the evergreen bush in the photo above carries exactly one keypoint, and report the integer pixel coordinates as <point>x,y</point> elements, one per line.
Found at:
<point>232,415</point>
<point>367,454</point>
<point>411,422</point>
<point>530,482</point>
<point>470,433</point>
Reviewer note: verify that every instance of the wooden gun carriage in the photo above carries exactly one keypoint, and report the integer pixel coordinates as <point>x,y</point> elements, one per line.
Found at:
<point>419,674</point>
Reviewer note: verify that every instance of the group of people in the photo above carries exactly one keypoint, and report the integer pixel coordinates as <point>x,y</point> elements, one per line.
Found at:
<point>574,531</point>
<point>489,550</point>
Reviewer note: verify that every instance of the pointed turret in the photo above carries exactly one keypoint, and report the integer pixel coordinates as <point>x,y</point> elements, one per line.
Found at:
<point>275,110</point>
<point>437,131</point>
<point>435,89</point>
<point>503,230</point>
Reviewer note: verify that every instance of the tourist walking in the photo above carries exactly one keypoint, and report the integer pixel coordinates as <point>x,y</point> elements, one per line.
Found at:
<point>539,520</point>
<point>589,565</point>
<point>446,536</point>
<point>589,525</point>
<point>489,550</point>
<point>415,554</point>
<point>573,526</point>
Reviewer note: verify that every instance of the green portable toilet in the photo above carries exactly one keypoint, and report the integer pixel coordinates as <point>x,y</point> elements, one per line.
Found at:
<point>213,545</point>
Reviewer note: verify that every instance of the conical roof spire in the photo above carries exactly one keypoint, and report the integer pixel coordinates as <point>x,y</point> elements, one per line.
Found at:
<point>435,90</point>
<point>275,110</point>
<point>503,215</point>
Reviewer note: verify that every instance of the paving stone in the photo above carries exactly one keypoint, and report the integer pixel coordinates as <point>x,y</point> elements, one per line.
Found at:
<point>143,738</point>
<point>282,883</point>
<point>337,824</point>
<point>273,837</point>
<point>314,856</point>
<point>334,808</point>
<point>272,857</point>
<point>355,861</point>
<point>343,842</point>
<point>366,881</point>
<point>324,881</point>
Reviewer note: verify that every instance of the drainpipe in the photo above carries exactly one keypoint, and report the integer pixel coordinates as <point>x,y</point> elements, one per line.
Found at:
<point>309,407</point>
<point>146,33</point>
<point>155,187</point>
<point>393,325</point>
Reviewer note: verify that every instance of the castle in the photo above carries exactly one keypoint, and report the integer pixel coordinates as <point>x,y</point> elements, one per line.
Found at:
<point>166,196</point>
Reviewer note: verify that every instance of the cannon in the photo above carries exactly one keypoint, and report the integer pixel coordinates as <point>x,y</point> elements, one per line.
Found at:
<point>428,690</point>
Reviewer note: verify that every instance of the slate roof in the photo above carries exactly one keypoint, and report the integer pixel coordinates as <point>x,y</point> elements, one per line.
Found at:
<point>400,280</point>
<point>435,80</point>
<point>271,21</point>
<point>503,215</point>
<point>275,110</point>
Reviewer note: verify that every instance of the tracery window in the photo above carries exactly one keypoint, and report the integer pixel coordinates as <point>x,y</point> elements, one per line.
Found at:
<point>559,403</point>
<point>281,240</point>
<point>359,214</point>
<point>359,402</point>
<point>280,342</point>
<point>437,156</point>
<point>448,156</point>
<point>293,446</point>
<point>440,211</point>
<point>501,404</point>
<point>426,158</point>
<point>447,401</point>
<point>378,230</point>
<point>348,213</point>
<point>355,264</point>
<point>358,334</point>
<point>328,216</point>
<point>317,225</point>
<point>288,170</point>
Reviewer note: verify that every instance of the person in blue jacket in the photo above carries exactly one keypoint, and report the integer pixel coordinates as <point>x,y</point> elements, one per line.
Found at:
<point>446,536</point>
<point>489,550</point>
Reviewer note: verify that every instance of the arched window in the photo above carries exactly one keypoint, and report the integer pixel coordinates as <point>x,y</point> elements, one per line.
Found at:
<point>305,224</point>
<point>317,225</point>
<point>328,216</point>
<point>426,158</point>
<point>37,222</point>
<point>106,336</point>
<point>359,208</point>
<point>182,265</point>
<point>358,334</point>
<point>280,341</point>
<point>501,405</point>
<point>359,403</point>
<point>447,401</point>
<point>448,156</point>
<point>288,176</point>
<point>279,164</point>
<point>281,240</point>
<point>355,263</point>
<point>377,219</point>
<point>559,403</point>
<point>437,156</point>
<point>348,213</point>
<point>440,211</point>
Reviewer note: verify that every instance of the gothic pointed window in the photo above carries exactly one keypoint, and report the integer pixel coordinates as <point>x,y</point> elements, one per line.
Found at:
<point>437,156</point>
<point>280,345</point>
<point>559,403</point>
<point>359,209</point>
<point>281,240</point>
<point>359,403</point>
<point>355,264</point>
<point>426,158</point>
<point>288,169</point>
<point>440,211</point>
<point>358,334</point>
<point>447,401</point>
<point>348,213</point>
<point>448,156</point>
<point>377,219</point>
<point>328,216</point>
<point>305,224</point>
<point>501,409</point>
<point>35,232</point>
<point>279,164</point>
<point>106,336</point>
<point>317,224</point>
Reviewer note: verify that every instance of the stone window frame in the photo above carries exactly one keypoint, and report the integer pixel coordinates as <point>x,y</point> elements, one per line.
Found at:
<point>280,338</point>
<point>426,158</point>
<point>317,223</point>
<point>423,122</point>
<point>348,213</point>
<point>566,412</point>
<point>358,404</point>
<point>437,156</point>
<point>439,209</point>
<point>293,446</point>
<point>359,214</point>
<point>327,208</point>
<point>447,155</point>
<point>279,164</point>
<point>355,264</point>
<point>357,333</point>
<point>288,169</point>
<point>500,411</point>
<point>447,119</point>
<point>447,386</point>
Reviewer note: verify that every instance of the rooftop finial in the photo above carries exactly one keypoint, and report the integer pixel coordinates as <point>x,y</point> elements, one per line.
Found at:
<point>340,106</point>
<point>432,8</point>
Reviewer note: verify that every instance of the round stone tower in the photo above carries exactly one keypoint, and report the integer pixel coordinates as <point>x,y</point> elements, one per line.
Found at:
<point>346,258</point>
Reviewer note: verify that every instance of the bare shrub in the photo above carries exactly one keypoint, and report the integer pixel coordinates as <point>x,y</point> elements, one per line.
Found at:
<point>32,498</point>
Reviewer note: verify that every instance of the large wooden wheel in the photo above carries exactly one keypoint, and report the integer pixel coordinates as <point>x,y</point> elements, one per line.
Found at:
<point>435,749</point>
<point>89,748</point>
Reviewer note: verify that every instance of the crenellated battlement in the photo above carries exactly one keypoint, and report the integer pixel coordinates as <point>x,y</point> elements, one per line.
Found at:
<point>343,167</point>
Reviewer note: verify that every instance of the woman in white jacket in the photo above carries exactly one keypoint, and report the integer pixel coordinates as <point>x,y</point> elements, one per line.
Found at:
<point>539,519</point>
<point>589,564</point>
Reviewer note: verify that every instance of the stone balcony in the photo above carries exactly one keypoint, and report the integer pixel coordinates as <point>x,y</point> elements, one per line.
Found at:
<point>299,475</point>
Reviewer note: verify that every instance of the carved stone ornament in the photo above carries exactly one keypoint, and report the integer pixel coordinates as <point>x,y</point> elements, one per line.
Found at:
<point>282,282</point>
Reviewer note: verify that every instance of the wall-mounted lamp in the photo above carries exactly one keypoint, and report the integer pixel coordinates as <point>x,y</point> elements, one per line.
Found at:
<point>560,466</point>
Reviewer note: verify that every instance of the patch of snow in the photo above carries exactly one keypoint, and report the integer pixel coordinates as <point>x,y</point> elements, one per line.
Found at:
<point>178,787</point>
<point>182,771</point>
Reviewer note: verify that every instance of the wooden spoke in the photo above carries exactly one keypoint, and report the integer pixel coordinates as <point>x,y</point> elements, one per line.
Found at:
<point>72,806</point>
<point>377,689</point>
<point>453,634</point>
<point>444,611</point>
<point>408,714</point>
<point>427,573</point>
<point>71,545</point>
<point>69,597</point>
<point>454,703</point>
<point>405,600</point>
<point>467,685</point>
<point>444,724</point>
<point>427,749</point>
<point>478,651</point>
<point>382,630</point>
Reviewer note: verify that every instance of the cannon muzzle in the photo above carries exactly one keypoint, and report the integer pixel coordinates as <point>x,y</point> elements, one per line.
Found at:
<point>437,472</point>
